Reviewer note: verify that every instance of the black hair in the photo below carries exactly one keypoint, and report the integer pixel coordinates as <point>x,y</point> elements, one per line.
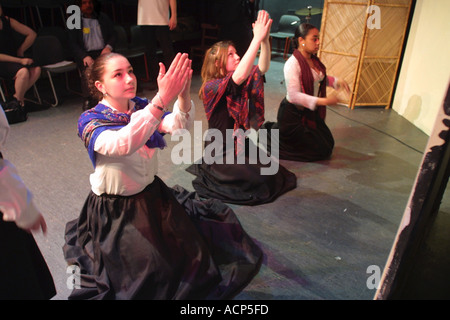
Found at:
<point>302,31</point>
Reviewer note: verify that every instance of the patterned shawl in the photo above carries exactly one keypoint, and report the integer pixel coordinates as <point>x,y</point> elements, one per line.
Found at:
<point>96,120</point>
<point>246,108</point>
<point>307,81</point>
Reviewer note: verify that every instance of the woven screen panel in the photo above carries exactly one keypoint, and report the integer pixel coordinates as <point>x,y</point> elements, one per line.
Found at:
<point>365,56</point>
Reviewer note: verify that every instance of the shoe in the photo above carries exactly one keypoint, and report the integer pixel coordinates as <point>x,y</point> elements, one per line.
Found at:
<point>13,100</point>
<point>14,111</point>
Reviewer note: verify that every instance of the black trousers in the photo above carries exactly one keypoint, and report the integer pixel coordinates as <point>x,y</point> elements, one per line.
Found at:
<point>158,37</point>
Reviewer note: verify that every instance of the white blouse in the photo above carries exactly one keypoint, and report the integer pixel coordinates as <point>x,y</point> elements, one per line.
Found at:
<point>16,201</point>
<point>295,95</point>
<point>124,165</point>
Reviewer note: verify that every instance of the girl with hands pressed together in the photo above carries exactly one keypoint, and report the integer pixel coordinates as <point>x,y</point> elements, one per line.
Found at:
<point>137,238</point>
<point>233,96</point>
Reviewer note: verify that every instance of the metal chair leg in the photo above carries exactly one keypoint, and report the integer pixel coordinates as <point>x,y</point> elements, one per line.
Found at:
<point>53,89</point>
<point>36,95</point>
<point>2,94</point>
<point>67,84</point>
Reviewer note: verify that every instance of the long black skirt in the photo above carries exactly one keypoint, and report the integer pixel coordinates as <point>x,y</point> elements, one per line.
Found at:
<point>242,184</point>
<point>297,141</point>
<point>24,274</point>
<point>163,243</point>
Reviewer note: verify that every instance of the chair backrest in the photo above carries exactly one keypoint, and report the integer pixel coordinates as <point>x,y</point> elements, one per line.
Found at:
<point>48,5</point>
<point>210,34</point>
<point>122,38</point>
<point>63,37</point>
<point>136,37</point>
<point>288,23</point>
<point>47,49</point>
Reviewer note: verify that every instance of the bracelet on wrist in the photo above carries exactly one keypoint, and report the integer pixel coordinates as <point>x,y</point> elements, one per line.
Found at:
<point>160,100</point>
<point>158,107</point>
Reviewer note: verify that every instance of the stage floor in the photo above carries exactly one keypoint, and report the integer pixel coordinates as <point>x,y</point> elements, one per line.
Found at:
<point>320,240</point>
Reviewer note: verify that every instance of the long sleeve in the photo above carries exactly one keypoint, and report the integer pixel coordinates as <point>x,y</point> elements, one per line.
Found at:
<point>142,125</point>
<point>178,119</point>
<point>123,164</point>
<point>332,82</point>
<point>16,201</point>
<point>295,94</point>
<point>130,138</point>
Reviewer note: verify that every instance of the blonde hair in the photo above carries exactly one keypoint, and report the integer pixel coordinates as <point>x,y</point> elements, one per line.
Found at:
<point>215,63</point>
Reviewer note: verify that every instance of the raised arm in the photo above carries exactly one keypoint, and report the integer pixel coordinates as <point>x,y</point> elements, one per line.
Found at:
<point>261,31</point>
<point>265,55</point>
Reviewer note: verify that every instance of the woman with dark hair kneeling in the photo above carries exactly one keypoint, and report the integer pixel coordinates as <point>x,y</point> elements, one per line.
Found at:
<point>136,238</point>
<point>303,133</point>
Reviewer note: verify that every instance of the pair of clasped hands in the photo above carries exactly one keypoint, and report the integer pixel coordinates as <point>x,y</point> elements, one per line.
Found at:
<point>177,79</point>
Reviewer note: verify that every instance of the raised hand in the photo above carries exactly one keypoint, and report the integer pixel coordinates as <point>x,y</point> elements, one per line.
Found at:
<point>262,25</point>
<point>186,92</point>
<point>171,83</point>
<point>184,98</point>
<point>342,84</point>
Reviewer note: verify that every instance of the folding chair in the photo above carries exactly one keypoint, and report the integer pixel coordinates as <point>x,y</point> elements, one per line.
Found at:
<point>286,30</point>
<point>48,52</point>
<point>4,94</point>
<point>210,35</point>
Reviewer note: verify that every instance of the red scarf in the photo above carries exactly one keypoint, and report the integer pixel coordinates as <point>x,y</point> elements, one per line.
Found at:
<point>247,109</point>
<point>307,81</point>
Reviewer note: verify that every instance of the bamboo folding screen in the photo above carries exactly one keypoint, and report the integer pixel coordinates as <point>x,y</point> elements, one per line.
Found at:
<point>361,52</point>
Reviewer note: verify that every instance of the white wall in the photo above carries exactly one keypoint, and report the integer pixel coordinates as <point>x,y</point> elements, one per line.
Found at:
<point>425,71</point>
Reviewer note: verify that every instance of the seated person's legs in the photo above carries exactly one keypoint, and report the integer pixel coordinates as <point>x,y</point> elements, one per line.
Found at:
<point>24,80</point>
